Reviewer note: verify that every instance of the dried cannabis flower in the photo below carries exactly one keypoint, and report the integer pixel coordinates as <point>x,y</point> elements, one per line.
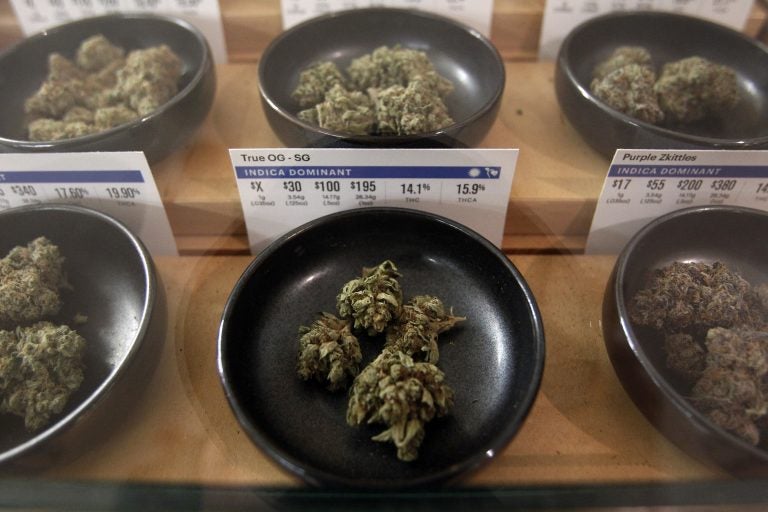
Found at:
<point>328,352</point>
<point>415,332</point>
<point>691,89</point>
<point>373,300</point>
<point>685,355</point>
<point>101,89</point>
<point>30,279</point>
<point>623,56</point>
<point>415,108</point>
<point>401,394</point>
<point>385,67</point>
<point>343,111</point>
<point>684,295</point>
<point>390,91</point>
<point>315,81</point>
<point>40,367</point>
<point>629,89</point>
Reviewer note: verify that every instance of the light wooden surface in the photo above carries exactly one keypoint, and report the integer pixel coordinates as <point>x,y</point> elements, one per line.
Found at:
<point>583,427</point>
<point>249,26</point>
<point>557,178</point>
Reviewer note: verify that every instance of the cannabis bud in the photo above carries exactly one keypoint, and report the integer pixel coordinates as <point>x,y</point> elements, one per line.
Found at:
<point>629,90</point>
<point>623,56</point>
<point>373,300</point>
<point>401,394</point>
<point>40,367</point>
<point>102,88</point>
<point>30,279</point>
<point>328,352</point>
<point>415,331</point>
<point>391,91</point>
<point>691,89</point>
<point>684,295</point>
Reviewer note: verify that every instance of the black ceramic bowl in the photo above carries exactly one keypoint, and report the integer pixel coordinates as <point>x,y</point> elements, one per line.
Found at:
<point>732,235</point>
<point>459,53</point>
<point>114,285</point>
<point>24,67</point>
<point>668,37</point>
<point>493,361</point>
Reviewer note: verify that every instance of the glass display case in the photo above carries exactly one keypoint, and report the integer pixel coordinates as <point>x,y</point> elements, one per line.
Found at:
<point>176,444</point>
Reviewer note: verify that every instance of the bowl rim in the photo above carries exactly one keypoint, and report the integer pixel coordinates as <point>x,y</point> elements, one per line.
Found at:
<point>200,71</point>
<point>564,64</point>
<point>318,476</point>
<point>101,392</point>
<point>287,115</point>
<point>661,383</point>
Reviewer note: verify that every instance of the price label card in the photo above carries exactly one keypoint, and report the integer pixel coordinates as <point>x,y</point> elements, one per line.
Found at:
<point>38,15</point>
<point>119,184</point>
<point>477,14</point>
<point>562,16</point>
<point>644,184</point>
<point>281,189</point>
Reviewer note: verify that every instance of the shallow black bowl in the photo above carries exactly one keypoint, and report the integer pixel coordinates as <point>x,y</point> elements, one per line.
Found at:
<point>668,37</point>
<point>732,235</point>
<point>23,69</point>
<point>114,285</point>
<point>493,361</point>
<point>459,53</point>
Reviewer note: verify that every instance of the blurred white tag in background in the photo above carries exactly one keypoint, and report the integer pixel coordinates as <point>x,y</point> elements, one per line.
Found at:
<point>562,16</point>
<point>36,15</point>
<point>119,184</point>
<point>476,13</point>
<point>644,184</point>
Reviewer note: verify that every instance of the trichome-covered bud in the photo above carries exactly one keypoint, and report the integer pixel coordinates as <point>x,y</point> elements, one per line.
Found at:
<point>315,81</point>
<point>415,108</point>
<point>620,57</point>
<point>386,66</point>
<point>401,394</point>
<point>328,352</point>
<point>373,300</point>
<point>685,356</point>
<point>692,295</point>
<point>629,90</point>
<point>40,367</point>
<point>30,279</point>
<point>416,330</point>
<point>149,78</point>
<point>342,111</point>
<point>693,88</point>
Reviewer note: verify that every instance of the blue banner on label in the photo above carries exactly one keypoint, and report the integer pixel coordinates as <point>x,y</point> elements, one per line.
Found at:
<point>360,172</point>
<point>64,176</point>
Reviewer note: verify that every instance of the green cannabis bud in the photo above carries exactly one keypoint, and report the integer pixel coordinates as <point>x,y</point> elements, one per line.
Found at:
<point>415,108</point>
<point>372,300</point>
<point>629,90</point>
<point>40,367</point>
<point>385,67</point>
<point>328,352</point>
<point>416,331</point>
<point>401,394</point>
<point>391,91</point>
<point>30,279</point>
<point>623,56</point>
<point>343,111</point>
<point>315,82</point>
<point>102,88</point>
<point>693,88</point>
<point>683,295</point>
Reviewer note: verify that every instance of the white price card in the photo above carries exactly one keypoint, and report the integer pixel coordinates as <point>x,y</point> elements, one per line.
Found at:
<point>281,189</point>
<point>119,184</point>
<point>562,16</point>
<point>644,184</point>
<point>476,14</point>
<point>38,15</point>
